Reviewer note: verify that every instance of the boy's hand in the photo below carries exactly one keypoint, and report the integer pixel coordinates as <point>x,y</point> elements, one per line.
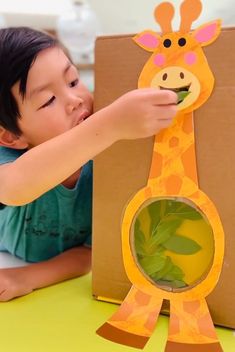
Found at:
<point>20,281</point>
<point>142,113</point>
<point>13,283</point>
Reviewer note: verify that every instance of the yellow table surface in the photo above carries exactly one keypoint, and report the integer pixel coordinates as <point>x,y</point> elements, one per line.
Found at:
<point>64,318</point>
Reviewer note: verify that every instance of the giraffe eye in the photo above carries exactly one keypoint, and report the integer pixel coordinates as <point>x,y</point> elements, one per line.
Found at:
<point>167,43</point>
<point>164,77</point>
<point>182,42</point>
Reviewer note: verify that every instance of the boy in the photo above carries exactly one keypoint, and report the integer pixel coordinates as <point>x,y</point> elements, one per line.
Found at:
<point>48,134</point>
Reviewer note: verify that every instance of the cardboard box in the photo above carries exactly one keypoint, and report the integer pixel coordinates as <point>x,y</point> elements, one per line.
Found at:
<point>123,169</point>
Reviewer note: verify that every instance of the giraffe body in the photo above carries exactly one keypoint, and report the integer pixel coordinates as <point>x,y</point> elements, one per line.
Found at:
<point>177,63</point>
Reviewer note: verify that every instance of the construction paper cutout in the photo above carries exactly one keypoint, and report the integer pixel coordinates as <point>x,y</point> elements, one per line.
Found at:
<point>208,33</point>
<point>189,12</point>
<point>164,14</point>
<point>126,325</point>
<point>173,175</point>
<point>148,40</point>
<point>179,80</point>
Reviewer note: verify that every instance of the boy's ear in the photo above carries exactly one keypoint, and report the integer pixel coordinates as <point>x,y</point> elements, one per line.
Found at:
<point>10,140</point>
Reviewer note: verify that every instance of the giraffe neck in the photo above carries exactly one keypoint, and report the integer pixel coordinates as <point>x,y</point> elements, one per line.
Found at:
<point>174,151</point>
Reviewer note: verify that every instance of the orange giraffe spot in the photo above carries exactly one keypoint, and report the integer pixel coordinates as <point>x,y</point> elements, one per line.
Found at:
<point>173,184</point>
<point>204,324</point>
<point>142,299</point>
<point>148,192</point>
<point>174,142</point>
<point>123,313</point>
<point>151,321</point>
<point>191,307</point>
<point>175,324</point>
<point>188,160</point>
<point>187,126</point>
<point>156,168</point>
<point>196,195</point>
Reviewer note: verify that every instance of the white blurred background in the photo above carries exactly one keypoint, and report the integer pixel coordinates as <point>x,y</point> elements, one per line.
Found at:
<point>122,16</point>
<point>98,17</point>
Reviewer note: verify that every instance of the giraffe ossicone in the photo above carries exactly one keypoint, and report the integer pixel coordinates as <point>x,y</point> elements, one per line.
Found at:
<point>158,228</point>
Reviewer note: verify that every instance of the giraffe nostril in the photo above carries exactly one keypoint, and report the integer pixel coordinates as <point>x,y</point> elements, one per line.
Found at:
<point>181,75</point>
<point>164,77</point>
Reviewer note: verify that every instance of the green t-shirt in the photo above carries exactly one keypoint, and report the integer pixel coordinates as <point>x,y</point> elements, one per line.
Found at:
<point>58,220</point>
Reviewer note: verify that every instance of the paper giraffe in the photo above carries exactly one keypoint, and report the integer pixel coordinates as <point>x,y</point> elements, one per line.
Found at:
<point>179,64</point>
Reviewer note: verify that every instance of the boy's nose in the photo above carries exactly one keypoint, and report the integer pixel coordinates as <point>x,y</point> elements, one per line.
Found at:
<point>73,102</point>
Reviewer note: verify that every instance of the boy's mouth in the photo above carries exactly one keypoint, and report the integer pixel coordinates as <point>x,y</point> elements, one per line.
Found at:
<point>83,116</point>
<point>182,92</point>
<point>177,89</point>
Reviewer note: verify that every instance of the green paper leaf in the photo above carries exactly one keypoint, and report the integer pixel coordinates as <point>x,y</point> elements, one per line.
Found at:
<point>181,245</point>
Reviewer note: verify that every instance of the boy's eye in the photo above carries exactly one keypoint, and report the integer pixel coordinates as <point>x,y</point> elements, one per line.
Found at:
<point>74,83</point>
<point>48,102</point>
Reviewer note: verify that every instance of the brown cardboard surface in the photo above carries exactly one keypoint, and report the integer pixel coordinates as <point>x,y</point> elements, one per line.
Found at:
<point>123,169</point>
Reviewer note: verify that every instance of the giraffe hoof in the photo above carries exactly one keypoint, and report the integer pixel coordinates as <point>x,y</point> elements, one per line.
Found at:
<point>114,334</point>
<point>188,347</point>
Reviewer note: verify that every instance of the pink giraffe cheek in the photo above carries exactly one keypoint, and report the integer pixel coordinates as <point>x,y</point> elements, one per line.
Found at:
<point>190,58</point>
<point>159,59</point>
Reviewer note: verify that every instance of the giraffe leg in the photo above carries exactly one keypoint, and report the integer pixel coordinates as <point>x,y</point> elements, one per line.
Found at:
<point>191,328</point>
<point>133,323</point>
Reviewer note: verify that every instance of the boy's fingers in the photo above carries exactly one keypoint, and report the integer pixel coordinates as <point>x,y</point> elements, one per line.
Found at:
<point>165,97</point>
<point>166,112</point>
<point>3,296</point>
<point>165,123</point>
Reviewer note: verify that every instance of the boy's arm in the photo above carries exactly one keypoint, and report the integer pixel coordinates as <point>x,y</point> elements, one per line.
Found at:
<point>15,282</point>
<point>137,114</point>
<point>43,167</point>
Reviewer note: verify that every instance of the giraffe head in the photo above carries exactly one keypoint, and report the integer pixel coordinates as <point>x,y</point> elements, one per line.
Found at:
<point>177,61</point>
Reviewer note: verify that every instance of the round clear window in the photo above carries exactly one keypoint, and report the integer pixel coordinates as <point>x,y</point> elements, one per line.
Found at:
<point>172,242</point>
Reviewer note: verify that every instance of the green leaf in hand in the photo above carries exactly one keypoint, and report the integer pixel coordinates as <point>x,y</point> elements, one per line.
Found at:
<point>182,95</point>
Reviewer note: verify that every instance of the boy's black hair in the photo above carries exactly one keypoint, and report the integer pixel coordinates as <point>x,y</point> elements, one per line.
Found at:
<point>19,47</point>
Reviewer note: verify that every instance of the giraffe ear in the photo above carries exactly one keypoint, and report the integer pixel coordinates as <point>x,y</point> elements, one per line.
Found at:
<point>147,40</point>
<point>207,33</point>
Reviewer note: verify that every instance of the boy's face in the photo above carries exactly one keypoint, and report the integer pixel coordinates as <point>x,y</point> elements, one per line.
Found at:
<point>56,100</point>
